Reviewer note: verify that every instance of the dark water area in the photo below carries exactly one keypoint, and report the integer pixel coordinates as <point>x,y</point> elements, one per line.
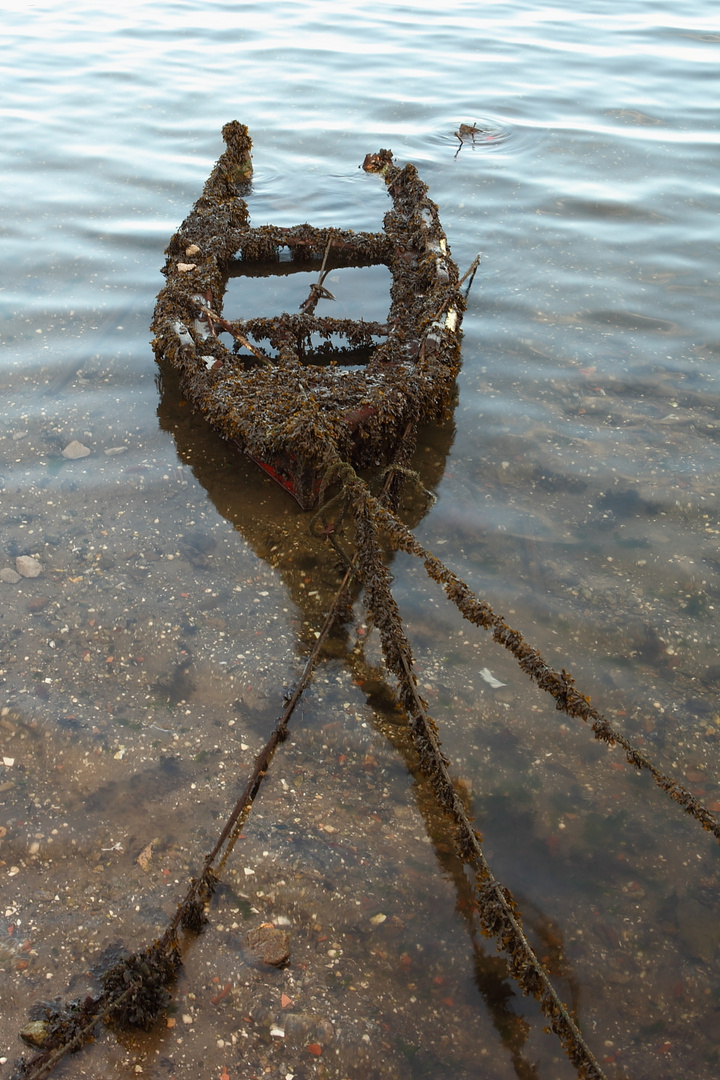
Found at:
<point>179,591</point>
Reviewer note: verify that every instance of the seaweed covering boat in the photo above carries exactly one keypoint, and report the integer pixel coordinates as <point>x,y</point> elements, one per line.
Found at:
<point>294,417</point>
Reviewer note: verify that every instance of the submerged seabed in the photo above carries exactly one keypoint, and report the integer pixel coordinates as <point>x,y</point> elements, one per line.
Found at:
<point>143,669</point>
<point>179,592</point>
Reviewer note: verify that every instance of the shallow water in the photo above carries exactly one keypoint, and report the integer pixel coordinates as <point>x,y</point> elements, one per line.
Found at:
<point>180,593</point>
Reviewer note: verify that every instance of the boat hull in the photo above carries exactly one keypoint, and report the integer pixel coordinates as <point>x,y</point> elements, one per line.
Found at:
<point>295,418</point>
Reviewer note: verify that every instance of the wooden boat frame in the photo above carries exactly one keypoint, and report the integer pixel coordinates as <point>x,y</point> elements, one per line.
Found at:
<point>293,417</point>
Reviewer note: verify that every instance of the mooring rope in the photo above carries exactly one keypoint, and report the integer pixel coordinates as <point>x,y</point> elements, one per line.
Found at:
<point>559,684</point>
<point>499,914</point>
<point>150,971</point>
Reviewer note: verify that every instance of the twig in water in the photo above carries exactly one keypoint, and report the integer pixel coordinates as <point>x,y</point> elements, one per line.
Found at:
<point>317,289</point>
<point>211,315</point>
<point>471,271</point>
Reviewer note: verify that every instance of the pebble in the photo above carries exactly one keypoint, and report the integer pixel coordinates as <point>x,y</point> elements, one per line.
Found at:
<point>35,1033</point>
<point>75,450</point>
<point>9,575</point>
<point>270,945</point>
<point>298,1024</point>
<point>38,603</point>
<point>26,566</point>
<point>324,1032</point>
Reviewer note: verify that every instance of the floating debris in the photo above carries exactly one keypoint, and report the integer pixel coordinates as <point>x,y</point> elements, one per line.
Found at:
<point>490,679</point>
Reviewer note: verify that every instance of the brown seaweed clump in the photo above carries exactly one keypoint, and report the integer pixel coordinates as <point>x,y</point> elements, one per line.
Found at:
<point>137,986</point>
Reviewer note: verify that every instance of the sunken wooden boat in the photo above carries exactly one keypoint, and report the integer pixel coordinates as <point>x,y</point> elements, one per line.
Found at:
<point>262,390</point>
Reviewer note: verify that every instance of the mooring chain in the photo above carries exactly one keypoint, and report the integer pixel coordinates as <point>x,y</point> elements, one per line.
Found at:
<point>413,476</point>
<point>559,684</point>
<point>499,915</point>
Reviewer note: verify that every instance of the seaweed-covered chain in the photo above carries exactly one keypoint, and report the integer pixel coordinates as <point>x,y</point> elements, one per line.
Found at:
<point>135,988</point>
<point>499,914</point>
<point>560,684</point>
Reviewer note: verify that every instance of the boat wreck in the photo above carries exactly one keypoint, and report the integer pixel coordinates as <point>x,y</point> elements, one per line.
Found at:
<point>295,417</point>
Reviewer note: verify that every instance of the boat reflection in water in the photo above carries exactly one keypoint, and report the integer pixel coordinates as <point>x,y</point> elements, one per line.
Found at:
<point>269,519</point>
<point>278,531</point>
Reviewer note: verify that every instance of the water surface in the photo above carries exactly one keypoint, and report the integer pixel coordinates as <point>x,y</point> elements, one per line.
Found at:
<point>576,487</point>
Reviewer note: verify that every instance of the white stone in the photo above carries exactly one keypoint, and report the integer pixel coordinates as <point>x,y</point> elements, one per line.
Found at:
<point>75,450</point>
<point>26,566</point>
<point>9,575</point>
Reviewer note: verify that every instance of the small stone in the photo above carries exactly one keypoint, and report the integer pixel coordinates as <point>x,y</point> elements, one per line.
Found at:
<point>297,1024</point>
<point>192,250</point>
<point>185,268</point>
<point>377,919</point>
<point>9,576</point>
<point>271,946</point>
<point>324,1032</point>
<point>26,566</point>
<point>112,450</point>
<point>38,603</point>
<point>145,857</point>
<point>75,450</point>
<point>35,1033</point>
